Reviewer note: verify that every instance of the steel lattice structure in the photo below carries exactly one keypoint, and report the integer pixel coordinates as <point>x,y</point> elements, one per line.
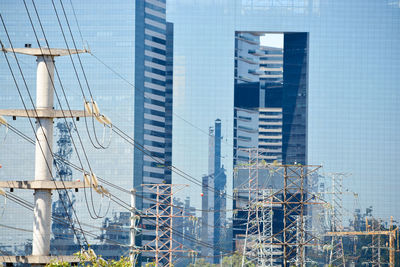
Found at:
<point>293,197</point>
<point>254,240</point>
<point>375,247</point>
<point>163,212</point>
<point>391,233</point>
<point>336,255</point>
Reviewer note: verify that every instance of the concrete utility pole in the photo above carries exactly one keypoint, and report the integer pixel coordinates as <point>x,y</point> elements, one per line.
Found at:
<point>43,156</point>
<point>43,183</point>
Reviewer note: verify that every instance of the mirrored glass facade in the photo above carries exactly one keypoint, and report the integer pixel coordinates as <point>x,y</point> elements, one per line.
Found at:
<point>352,101</point>
<point>353,59</point>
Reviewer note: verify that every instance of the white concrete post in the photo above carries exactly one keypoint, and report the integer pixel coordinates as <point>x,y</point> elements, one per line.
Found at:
<point>43,157</point>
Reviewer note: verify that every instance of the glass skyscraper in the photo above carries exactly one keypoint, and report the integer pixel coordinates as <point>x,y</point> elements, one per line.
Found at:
<point>352,95</point>
<point>351,126</point>
<point>153,105</point>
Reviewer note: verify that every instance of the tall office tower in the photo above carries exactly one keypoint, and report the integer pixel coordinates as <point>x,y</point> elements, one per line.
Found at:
<point>246,104</point>
<point>270,134</point>
<point>207,201</point>
<point>270,111</point>
<point>214,196</point>
<point>153,103</point>
<point>271,79</point>
<point>270,107</point>
<point>219,193</point>
<point>247,84</point>
<point>168,100</point>
<point>294,98</point>
<point>270,99</point>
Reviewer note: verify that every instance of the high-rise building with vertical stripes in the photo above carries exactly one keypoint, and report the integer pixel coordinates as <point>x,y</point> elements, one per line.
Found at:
<point>153,103</point>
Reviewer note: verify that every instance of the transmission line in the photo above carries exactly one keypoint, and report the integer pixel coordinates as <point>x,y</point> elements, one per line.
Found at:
<point>58,99</point>
<point>30,120</point>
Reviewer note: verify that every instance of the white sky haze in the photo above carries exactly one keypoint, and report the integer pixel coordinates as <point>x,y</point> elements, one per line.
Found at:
<point>272,39</point>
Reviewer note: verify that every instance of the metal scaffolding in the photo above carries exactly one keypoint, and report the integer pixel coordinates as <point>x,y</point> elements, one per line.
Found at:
<point>336,255</point>
<point>292,198</point>
<point>376,244</point>
<point>253,243</point>
<point>269,250</point>
<point>163,212</point>
<point>391,233</point>
<point>295,198</point>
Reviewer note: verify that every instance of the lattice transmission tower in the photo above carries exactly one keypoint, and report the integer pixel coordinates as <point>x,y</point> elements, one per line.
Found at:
<point>376,244</point>
<point>336,255</point>
<point>258,238</point>
<point>162,213</point>
<point>287,245</point>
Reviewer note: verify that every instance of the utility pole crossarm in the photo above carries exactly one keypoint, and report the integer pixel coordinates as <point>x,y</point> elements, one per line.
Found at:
<point>48,185</point>
<point>44,51</point>
<point>351,233</point>
<point>44,113</point>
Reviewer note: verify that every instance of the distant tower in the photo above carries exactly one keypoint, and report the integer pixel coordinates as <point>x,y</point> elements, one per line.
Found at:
<point>214,197</point>
<point>63,242</point>
<point>207,201</point>
<point>220,192</point>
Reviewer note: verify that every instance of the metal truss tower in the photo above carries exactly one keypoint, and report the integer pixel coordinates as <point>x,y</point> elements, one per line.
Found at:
<point>293,198</point>
<point>375,246</point>
<point>267,226</point>
<point>63,239</point>
<point>391,233</point>
<point>253,240</point>
<point>336,255</point>
<point>163,212</point>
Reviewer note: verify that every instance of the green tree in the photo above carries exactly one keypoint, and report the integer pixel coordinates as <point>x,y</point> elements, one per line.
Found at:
<point>200,263</point>
<point>234,260</point>
<point>89,258</point>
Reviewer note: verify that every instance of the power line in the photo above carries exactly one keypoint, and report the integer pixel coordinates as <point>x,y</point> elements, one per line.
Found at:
<point>136,144</point>
<point>77,24</point>
<point>174,169</point>
<point>104,181</point>
<point>151,222</point>
<point>28,205</point>
<point>77,76</point>
<point>62,87</point>
<point>132,139</point>
<point>120,76</point>
<point>137,88</point>
<point>30,120</point>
